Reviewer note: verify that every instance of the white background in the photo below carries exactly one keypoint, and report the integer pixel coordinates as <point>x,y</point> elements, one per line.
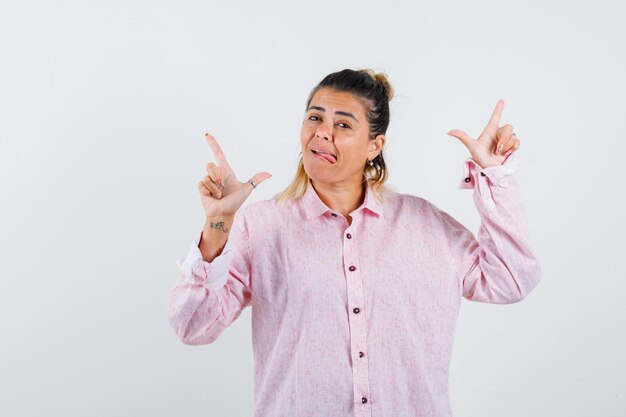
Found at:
<point>103,107</point>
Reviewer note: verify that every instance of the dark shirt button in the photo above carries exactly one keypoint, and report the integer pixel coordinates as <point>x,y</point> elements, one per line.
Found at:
<point>361,354</point>
<point>363,400</point>
<point>333,214</point>
<point>482,173</point>
<point>349,236</point>
<point>352,268</point>
<point>468,179</point>
<point>356,310</point>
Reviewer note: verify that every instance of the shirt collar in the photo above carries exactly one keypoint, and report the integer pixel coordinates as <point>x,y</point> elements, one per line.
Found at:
<point>313,206</point>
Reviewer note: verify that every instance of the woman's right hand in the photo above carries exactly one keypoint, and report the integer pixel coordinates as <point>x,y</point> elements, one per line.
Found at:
<point>221,192</point>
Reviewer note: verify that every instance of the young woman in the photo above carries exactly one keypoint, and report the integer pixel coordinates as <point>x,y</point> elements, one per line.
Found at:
<point>354,288</point>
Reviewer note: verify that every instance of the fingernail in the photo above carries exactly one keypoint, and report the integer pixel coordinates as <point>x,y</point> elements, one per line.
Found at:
<point>218,195</point>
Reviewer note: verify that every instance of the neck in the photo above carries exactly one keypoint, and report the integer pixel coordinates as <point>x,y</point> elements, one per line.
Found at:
<point>341,198</point>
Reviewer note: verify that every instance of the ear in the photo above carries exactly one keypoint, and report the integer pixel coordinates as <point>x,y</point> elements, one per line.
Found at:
<point>376,146</point>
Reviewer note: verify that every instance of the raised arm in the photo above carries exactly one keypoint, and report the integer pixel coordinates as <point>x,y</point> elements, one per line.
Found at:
<point>214,286</point>
<point>499,267</point>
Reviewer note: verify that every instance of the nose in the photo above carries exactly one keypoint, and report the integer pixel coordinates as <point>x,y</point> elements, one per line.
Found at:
<point>323,132</point>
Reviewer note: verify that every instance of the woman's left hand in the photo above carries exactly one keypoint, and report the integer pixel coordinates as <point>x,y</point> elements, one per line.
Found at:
<point>494,144</point>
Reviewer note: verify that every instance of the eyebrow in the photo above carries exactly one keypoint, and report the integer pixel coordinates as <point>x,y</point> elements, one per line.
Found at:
<point>344,113</point>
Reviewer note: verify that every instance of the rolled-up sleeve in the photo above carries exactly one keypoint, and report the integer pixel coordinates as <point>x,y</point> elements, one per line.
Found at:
<point>499,267</point>
<point>209,296</point>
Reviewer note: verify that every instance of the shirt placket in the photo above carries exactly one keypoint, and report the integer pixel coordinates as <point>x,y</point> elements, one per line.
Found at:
<point>357,323</point>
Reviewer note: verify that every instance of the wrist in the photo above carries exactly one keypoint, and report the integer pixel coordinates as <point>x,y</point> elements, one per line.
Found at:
<point>220,217</point>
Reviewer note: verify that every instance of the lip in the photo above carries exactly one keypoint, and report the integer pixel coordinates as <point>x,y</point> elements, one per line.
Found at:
<point>323,150</point>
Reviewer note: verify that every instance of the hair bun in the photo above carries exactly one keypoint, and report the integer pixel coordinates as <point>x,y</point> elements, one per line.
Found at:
<point>382,79</point>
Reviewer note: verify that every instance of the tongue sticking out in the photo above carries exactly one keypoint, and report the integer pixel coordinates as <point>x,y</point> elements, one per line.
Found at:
<point>328,157</point>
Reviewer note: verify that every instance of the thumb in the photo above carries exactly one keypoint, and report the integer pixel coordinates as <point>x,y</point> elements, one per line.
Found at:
<point>260,177</point>
<point>462,136</point>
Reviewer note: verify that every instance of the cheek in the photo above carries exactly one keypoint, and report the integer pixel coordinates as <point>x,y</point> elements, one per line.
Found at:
<point>305,134</point>
<point>354,152</point>
<point>304,143</point>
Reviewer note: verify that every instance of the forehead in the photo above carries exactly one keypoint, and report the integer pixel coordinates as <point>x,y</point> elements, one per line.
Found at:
<point>333,100</point>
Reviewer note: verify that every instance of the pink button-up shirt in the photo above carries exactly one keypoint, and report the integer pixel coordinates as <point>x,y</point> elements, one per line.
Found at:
<point>357,320</point>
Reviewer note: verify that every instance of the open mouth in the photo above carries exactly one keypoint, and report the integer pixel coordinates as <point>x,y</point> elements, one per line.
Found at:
<point>324,156</point>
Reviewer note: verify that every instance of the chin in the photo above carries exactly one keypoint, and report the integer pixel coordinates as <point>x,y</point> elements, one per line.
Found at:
<point>319,174</point>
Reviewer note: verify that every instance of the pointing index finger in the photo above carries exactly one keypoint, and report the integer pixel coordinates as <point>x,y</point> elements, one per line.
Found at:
<point>217,150</point>
<point>497,112</point>
<point>492,126</point>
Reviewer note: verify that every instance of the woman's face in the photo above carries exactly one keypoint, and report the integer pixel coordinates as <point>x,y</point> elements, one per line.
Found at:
<point>335,122</point>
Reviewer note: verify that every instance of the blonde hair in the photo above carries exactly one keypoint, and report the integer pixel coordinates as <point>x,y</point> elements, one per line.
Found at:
<point>375,91</point>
